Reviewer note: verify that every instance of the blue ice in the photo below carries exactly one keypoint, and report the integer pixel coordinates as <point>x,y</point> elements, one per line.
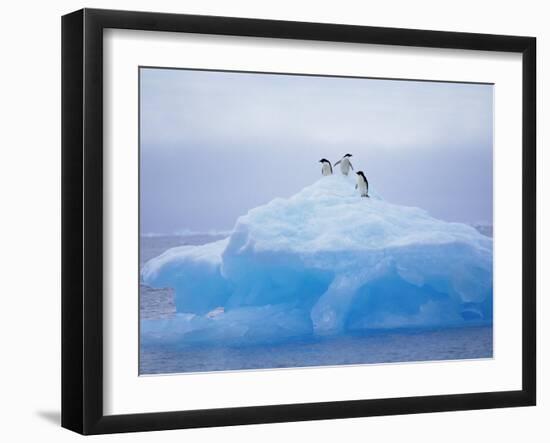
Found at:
<point>325,262</point>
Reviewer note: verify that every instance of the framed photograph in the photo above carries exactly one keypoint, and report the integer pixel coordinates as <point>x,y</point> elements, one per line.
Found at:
<point>269,221</point>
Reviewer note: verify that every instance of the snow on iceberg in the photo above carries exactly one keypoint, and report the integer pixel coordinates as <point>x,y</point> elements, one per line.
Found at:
<point>326,261</point>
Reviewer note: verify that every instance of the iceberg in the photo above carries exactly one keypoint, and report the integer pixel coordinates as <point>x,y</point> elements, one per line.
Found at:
<point>325,262</point>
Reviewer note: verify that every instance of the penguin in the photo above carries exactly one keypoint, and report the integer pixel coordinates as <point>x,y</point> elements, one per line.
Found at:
<point>327,167</point>
<point>345,164</point>
<point>362,184</point>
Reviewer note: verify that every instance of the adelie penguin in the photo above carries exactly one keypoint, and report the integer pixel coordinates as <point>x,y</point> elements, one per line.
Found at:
<point>362,184</point>
<point>345,164</point>
<point>326,169</point>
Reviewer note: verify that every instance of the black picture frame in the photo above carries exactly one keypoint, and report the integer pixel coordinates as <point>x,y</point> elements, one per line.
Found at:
<point>82,220</point>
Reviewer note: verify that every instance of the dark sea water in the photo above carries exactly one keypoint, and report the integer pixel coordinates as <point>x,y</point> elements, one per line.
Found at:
<point>388,347</point>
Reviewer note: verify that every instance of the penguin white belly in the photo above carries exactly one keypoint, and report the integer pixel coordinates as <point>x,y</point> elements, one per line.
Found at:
<point>326,169</point>
<point>362,186</point>
<point>345,166</point>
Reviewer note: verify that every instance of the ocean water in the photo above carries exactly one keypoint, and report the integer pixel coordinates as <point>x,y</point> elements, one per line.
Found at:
<point>412,345</point>
<point>388,347</point>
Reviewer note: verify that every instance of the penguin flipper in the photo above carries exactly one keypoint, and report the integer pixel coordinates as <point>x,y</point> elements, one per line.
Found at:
<point>351,166</point>
<point>355,186</point>
<point>337,163</point>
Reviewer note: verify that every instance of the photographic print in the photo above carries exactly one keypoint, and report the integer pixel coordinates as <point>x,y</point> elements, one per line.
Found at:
<point>293,220</point>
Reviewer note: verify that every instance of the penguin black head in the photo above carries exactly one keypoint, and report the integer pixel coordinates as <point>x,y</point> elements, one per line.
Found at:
<point>361,174</point>
<point>348,155</point>
<point>323,160</point>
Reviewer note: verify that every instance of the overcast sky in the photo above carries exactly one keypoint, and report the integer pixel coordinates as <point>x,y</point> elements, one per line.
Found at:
<point>216,144</point>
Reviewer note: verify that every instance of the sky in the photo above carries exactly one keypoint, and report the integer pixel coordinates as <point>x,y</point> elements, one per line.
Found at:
<point>215,144</point>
